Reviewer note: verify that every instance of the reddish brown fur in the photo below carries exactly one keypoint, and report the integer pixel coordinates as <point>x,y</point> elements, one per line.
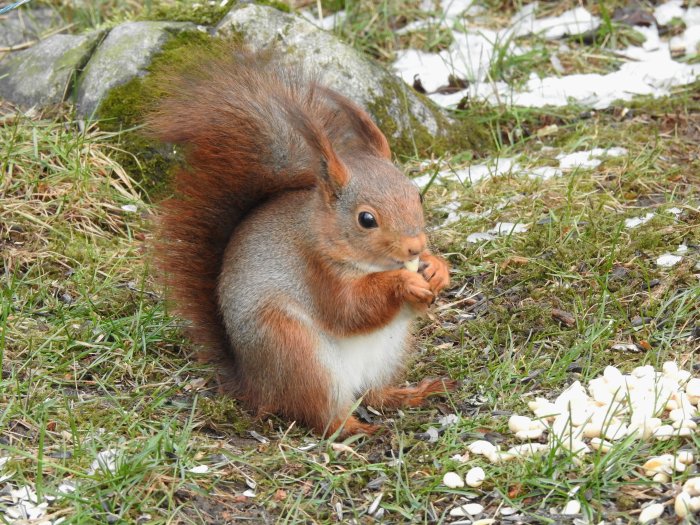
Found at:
<point>239,118</point>
<point>361,123</point>
<point>302,391</point>
<point>217,190</point>
<point>354,306</point>
<point>435,271</point>
<point>409,396</point>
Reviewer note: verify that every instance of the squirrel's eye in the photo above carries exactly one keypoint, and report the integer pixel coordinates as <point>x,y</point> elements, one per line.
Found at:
<point>367,220</point>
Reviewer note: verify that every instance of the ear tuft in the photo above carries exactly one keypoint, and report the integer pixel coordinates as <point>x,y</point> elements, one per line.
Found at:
<point>334,175</point>
<point>363,126</point>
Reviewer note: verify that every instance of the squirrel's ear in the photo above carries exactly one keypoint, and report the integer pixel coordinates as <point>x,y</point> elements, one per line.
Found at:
<point>365,129</point>
<point>333,174</point>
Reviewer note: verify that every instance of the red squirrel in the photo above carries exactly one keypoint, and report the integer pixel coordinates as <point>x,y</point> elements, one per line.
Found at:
<point>285,242</point>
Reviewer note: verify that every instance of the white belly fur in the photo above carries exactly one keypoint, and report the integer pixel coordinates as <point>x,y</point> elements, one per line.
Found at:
<point>361,362</point>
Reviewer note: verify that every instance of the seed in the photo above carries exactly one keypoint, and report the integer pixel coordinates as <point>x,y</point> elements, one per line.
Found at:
<point>651,512</point>
<point>452,480</point>
<point>659,464</point>
<point>685,423</point>
<point>571,507</point>
<point>412,265</point>
<point>670,369</point>
<point>683,504</point>
<point>532,433</point>
<point>692,486</point>
<point>527,449</point>
<point>661,477</point>
<point>481,447</point>
<point>663,433</point>
<point>693,388</point>
<point>470,509</point>
<point>475,477</point>
<point>500,457</point>
<point>695,504</point>
<point>685,457</point>
<point>576,446</point>
<point>601,444</point>
<point>519,423</point>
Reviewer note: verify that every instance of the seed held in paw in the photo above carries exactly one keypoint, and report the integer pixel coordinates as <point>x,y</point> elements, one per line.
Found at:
<point>412,265</point>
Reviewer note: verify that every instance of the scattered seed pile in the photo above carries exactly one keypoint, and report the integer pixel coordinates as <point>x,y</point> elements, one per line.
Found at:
<point>613,410</point>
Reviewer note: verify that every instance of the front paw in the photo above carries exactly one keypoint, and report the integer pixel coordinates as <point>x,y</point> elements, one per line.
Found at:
<point>415,289</point>
<point>435,271</point>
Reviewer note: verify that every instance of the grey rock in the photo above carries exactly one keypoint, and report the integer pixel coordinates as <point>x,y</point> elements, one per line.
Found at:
<point>123,55</point>
<point>394,106</point>
<point>44,73</point>
<point>21,26</point>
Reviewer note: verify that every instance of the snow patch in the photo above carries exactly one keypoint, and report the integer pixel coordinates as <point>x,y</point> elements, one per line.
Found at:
<point>668,260</point>
<point>508,228</point>
<point>664,13</point>
<point>573,22</point>
<point>106,461</point>
<point>638,221</point>
<point>649,69</point>
<point>587,159</point>
<point>474,238</point>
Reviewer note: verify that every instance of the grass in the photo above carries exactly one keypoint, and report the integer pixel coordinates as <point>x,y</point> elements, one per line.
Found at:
<point>92,362</point>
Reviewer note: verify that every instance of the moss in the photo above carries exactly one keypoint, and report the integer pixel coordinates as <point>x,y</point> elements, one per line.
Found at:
<point>455,135</point>
<point>203,13</point>
<point>222,412</point>
<point>186,11</point>
<point>332,6</point>
<point>149,162</point>
<point>280,6</point>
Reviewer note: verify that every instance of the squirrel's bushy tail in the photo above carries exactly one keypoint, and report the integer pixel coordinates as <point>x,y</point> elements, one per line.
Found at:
<point>231,114</point>
<point>250,127</point>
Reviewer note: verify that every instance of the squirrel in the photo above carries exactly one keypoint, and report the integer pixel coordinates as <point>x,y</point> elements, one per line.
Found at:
<point>285,242</point>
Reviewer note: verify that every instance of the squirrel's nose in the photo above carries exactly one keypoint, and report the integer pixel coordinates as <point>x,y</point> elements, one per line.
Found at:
<point>414,245</point>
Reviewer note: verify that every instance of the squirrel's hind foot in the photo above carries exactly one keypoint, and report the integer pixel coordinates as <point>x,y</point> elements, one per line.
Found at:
<point>350,426</point>
<point>413,396</point>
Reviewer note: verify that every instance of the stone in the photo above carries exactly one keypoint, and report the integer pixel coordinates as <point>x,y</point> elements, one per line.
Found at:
<point>44,73</point>
<point>397,110</point>
<point>124,54</point>
<point>21,26</point>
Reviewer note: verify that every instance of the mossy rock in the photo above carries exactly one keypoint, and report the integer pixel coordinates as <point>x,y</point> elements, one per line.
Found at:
<point>124,54</point>
<point>123,108</point>
<point>44,73</point>
<point>413,124</point>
